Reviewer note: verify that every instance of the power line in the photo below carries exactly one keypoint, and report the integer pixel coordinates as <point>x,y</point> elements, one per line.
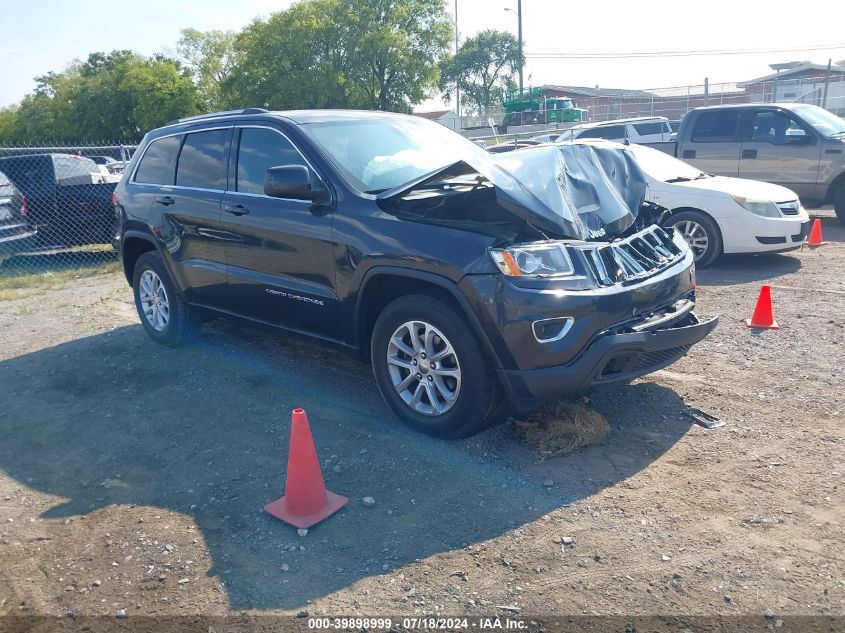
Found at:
<point>748,51</point>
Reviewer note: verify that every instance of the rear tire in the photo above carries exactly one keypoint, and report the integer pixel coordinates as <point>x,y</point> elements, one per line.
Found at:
<point>839,202</point>
<point>445,359</point>
<point>161,306</point>
<point>701,232</point>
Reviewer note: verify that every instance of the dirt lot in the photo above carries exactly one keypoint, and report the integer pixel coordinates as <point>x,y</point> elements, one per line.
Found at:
<point>133,476</point>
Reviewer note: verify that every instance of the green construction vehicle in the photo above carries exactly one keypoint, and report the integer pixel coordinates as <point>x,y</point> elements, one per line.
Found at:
<point>531,107</point>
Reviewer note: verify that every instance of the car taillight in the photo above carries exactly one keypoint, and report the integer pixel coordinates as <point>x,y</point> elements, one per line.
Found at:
<point>24,208</point>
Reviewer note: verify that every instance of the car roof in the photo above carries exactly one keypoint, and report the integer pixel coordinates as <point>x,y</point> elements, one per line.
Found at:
<point>638,119</point>
<point>296,116</point>
<point>740,106</point>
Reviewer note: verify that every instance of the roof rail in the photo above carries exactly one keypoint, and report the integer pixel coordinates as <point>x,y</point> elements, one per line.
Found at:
<point>209,115</point>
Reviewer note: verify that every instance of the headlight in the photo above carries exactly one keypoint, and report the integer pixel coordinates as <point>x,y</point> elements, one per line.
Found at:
<point>548,258</point>
<point>763,208</point>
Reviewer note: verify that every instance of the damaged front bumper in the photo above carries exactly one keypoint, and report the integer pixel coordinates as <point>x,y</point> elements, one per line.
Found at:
<point>610,357</point>
<point>626,311</point>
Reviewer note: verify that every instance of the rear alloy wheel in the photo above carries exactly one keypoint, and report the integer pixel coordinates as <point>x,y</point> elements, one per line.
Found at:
<point>431,370</point>
<point>701,234</point>
<point>163,311</point>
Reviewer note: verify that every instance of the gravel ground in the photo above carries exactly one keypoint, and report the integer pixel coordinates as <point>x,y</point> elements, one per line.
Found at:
<point>132,477</point>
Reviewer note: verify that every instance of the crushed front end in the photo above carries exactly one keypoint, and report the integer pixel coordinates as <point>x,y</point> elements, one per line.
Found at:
<point>625,310</point>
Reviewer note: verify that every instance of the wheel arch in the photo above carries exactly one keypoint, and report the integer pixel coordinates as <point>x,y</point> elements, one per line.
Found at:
<point>383,284</point>
<point>132,245</point>
<point>837,184</point>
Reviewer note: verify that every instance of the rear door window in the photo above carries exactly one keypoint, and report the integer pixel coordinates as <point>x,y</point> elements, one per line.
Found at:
<point>716,127</point>
<point>202,161</point>
<point>156,166</point>
<point>260,149</point>
<point>74,169</point>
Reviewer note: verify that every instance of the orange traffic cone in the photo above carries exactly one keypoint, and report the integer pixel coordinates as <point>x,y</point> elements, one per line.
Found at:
<point>306,500</point>
<point>815,238</point>
<point>763,317</point>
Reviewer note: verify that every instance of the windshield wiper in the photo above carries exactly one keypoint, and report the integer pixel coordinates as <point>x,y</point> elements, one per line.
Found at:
<point>702,175</point>
<point>679,179</point>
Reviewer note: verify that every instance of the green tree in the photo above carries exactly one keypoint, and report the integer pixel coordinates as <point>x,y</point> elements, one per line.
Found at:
<point>483,68</point>
<point>395,48</point>
<point>340,54</point>
<point>293,59</point>
<point>108,97</point>
<point>210,56</point>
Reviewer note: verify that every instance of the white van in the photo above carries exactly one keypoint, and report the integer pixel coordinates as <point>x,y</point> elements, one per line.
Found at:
<point>636,130</point>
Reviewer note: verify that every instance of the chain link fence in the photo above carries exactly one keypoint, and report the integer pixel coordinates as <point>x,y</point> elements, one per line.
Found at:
<point>672,102</point>
<point>56,206</point>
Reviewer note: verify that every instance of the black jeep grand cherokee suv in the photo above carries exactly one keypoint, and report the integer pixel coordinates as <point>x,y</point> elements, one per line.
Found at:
<point>471,282</point>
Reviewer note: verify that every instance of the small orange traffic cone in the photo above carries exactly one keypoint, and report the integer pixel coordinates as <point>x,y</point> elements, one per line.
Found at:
<point>306,500</point>
<point>763,318</point>
<point>815,238</point>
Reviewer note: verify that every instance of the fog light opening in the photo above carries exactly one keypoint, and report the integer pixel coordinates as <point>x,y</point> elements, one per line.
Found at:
<point>551,330</point>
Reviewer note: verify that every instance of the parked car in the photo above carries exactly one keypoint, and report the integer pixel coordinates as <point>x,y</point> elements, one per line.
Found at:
<point>509,146</point>
<point>68,201</point>
<point>471,285</point>
<point>634,130</point>
<point>550,137</point>
<point>719,214</point>
<point>16,234</point>
<point>795,145</point>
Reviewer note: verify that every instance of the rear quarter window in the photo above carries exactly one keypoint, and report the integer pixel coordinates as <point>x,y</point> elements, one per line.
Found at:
<point>157,163</point>
<point>649,128</point>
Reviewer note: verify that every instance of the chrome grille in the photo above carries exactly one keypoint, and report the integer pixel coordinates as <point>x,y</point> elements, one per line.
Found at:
<point>793,207</point>
<point>635,257</point>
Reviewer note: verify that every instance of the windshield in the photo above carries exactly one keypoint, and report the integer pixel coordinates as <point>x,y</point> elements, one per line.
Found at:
<point>825,123</point>
<point>663,167</point>
<point>382,153</point>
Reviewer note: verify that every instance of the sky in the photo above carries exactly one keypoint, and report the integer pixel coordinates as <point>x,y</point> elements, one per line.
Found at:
<point>41,36</point>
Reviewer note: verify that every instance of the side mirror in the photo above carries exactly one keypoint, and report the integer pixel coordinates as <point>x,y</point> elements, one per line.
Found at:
<point>294,182</point>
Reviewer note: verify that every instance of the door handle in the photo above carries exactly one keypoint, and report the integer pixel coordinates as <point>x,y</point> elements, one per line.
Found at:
<point>749,153</point>
<point>236,209</point>
<point>165,200</point>
<point>689,153</point>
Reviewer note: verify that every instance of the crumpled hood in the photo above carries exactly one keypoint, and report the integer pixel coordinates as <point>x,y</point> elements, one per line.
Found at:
<point>573,191</point>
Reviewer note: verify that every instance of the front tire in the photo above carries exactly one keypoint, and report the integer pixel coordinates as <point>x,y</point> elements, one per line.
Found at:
<point>839,203</point>
<point>431,370</point>
<point>701,233</point>
<point>162,308</point>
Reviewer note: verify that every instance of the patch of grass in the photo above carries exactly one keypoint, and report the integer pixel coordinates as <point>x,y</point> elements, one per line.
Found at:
<point>17,286</point>
<point>560,429</point>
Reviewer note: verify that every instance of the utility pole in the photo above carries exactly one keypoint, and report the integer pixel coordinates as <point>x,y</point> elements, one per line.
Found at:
<point>826,83</point>
<point>457,81</point>
<point>519,20</point>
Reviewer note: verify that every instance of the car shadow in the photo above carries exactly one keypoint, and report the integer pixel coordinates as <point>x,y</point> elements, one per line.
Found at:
<point>203,431</point>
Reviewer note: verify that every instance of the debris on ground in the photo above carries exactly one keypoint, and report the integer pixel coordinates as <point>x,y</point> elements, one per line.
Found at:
<point>560,429</point>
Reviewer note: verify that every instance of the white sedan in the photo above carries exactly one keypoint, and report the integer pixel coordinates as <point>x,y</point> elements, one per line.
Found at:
<point>718,214</point>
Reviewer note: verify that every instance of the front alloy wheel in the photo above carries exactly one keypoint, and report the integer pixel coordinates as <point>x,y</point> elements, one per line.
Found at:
<point>702,234</point>
<point>431,370</point>
<point>695,236</point>
<point>424,368</point>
